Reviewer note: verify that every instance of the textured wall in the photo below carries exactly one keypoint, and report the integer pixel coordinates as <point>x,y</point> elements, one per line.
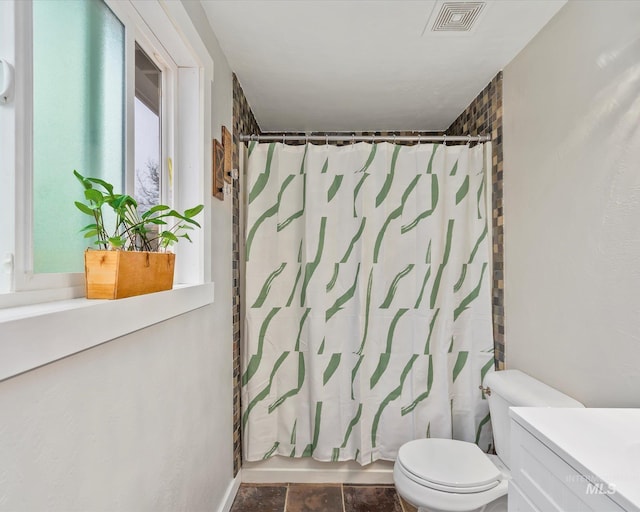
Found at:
<point>134,424</point>
<point>484,116</point>
<point>243,122</point>
<point>224,221</point>
<point>572,204</point>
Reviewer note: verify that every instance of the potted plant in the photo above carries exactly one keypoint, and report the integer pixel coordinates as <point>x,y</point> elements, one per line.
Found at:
<point>133,258</point>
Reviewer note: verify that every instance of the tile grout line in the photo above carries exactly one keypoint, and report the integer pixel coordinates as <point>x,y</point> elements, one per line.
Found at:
<point>399,499</point>
<point>286,497</point>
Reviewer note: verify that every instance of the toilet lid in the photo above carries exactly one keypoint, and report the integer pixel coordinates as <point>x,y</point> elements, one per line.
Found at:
<point>447,464</point>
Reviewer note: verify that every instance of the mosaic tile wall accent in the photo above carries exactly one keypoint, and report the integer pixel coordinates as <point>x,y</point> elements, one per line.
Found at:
<point>243,122</point>
<point>484,116</point>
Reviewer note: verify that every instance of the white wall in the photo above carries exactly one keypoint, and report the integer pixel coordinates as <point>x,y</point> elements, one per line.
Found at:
<point>143,422</point>
<point>221,215</point>
<point>572,204</point>
<point>222,96</point>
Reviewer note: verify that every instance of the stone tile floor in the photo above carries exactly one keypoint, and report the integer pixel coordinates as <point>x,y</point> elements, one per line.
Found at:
<point>318,498</point>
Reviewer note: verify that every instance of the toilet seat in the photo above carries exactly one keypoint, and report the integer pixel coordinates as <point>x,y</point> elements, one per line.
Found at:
<point>448,465</point>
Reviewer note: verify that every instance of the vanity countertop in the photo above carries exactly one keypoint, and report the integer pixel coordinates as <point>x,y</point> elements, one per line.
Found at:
<point>603,444</point>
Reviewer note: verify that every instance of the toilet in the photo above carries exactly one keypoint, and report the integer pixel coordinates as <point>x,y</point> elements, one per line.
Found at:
<point>446,475</point>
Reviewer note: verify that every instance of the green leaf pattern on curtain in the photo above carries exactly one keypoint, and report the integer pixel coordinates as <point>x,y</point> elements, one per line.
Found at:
<point>369,300</point>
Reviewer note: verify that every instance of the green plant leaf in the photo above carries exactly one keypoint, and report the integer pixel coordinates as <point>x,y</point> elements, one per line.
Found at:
<point>192,212</point>
<point>116,241</point>
<point>107,186</point>
<point>158,208</point>
<point>154,209</point>
<point>159,222</point>
<point>123,200</point>
<point>89,234</point>
<point>84,208</point>
<point>177,215</point>
<point>85,183</point>
<point>89,226</point>
<point>94,195</point>
<point>186,235</point>
<point>168,235</point>
<point>191,221</point>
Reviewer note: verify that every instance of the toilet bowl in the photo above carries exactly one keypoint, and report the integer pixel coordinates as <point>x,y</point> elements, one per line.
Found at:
<point>446,475</point>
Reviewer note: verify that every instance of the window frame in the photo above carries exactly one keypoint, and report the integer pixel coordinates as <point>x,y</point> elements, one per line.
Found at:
<point>168,74</point>
<point>8,140</point>
<point>136,31</point>
<point>190,70</point>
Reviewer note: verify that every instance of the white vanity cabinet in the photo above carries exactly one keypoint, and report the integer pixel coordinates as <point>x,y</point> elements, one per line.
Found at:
<point>574,460</point>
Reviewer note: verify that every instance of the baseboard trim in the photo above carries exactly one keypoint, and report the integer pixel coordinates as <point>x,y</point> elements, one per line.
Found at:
<point>231,492</point>
<point>333,473</point>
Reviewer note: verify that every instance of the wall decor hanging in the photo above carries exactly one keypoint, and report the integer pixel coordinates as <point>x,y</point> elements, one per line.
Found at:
<point>218,170</point>
<point>227,144</point>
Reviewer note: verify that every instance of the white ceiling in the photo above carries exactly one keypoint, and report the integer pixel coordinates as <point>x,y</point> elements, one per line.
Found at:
<point>362,65</point>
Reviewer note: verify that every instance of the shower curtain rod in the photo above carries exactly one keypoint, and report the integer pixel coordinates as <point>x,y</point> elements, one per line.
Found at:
<point>364,138</point>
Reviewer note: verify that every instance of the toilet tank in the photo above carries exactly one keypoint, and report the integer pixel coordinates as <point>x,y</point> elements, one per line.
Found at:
<point>512,388</point>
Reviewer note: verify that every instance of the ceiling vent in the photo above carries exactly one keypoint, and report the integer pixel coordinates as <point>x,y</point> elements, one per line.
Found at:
<point>457,16</point>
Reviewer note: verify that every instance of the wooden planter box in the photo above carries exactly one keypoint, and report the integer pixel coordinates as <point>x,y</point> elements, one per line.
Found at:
<point>119,274</point>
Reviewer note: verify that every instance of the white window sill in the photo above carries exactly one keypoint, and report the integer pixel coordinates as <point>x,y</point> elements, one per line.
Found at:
<point>32,336</point>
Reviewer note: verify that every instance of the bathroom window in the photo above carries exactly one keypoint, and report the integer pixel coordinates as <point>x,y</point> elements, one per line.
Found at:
<point>148,131</point>
<point>78,121</point>
<point>95,90</point>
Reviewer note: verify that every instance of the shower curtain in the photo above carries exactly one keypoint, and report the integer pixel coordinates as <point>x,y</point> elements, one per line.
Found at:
<point>368,299</point>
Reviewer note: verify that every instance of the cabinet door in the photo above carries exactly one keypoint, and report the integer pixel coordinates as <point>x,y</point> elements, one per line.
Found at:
<point>518,502</point>
<point>550,484</point>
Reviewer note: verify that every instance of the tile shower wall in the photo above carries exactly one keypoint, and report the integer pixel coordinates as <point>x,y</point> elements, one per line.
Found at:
<point>243,122</point>
<point>484,116</point>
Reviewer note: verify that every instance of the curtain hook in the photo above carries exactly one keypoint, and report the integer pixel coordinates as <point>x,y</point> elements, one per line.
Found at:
<point>444,139</point>
<point>283,139</point>
<point>353,138</point>
<point>394,138</point>
<point>326,139</point>
<point>469,140</point>
<point>419,139</point>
